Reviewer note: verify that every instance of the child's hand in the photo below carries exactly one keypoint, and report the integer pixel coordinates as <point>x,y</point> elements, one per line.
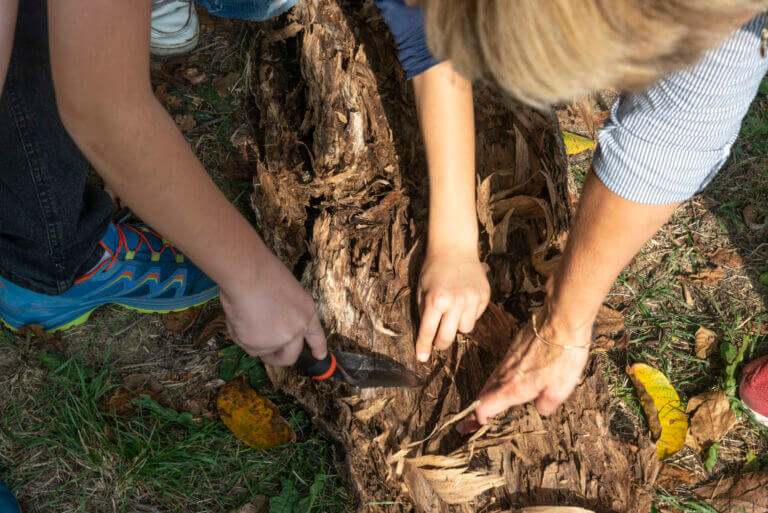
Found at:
<point>272,319</point>
<point>453,294</point>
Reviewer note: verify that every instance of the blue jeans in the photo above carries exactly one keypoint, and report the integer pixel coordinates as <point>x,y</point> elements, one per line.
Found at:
<point>51,221</point>
<point>253,10</point>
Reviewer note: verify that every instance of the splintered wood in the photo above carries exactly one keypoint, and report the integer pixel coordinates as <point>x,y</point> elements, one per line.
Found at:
<point>341,196</point>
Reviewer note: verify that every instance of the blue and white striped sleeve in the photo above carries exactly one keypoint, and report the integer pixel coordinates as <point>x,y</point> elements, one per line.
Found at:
<point>666,144</point>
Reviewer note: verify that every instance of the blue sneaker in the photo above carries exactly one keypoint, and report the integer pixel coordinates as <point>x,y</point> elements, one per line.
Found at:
<point>8,503</point>
<point>141,271</point>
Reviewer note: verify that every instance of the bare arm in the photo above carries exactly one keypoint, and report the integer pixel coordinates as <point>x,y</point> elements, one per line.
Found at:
<point>100,63</point>
<point>607,232</point>
<point>454,290</point>
<point>8,10</point>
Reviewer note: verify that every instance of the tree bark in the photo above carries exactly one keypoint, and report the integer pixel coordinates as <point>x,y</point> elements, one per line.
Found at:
<point>341,197</point>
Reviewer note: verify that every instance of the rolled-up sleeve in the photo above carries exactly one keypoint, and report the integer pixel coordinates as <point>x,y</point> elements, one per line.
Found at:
<point>666,144</point>
<point>407,27</point>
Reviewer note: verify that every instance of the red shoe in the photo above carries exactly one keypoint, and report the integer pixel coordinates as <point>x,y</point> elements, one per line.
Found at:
<point>754,389</point>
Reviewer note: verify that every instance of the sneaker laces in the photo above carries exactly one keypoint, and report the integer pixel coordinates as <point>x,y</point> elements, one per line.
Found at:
<point>123,244</point>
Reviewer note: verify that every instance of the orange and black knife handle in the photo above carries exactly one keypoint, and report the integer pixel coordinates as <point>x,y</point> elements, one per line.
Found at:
<point>318,369</point>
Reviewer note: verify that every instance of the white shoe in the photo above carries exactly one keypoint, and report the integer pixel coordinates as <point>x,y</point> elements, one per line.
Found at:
<point>175,29</point>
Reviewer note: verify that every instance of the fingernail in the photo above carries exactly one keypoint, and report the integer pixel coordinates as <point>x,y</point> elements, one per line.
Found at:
<point>423,357</point>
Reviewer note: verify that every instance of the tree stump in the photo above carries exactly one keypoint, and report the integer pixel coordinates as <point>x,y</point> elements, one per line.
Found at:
<point>341,197</point>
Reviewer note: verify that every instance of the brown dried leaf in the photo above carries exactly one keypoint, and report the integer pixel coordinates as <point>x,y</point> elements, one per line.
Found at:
<point>687,296</point>
<point>753,220</point>
<point>134,385</point>
<point>119,402</point>
<point>607,321</point>
<point>671,476</point>
<point>185,121</point>
<point>214,324</point>
<point>726,257</point>
<point>705,342</point>
<point>223,84</point>
<point>711,418</point>
<point>260,504</point>
<point>494,330</point>
<point>253,419</point>
<point>451,479</point>
<point>39,332</point>
<point>194,76</point>
<point>553,509</point>
<point>708,276</point>
<point>180,322</point>
<point>742,494</point>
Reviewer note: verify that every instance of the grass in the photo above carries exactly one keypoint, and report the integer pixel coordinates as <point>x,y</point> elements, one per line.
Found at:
<point>81,451</point>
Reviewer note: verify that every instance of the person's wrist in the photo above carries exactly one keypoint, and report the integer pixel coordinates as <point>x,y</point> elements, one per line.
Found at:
<point>563,314</point>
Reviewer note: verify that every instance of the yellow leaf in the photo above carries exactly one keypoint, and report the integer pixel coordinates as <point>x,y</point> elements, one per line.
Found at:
<point>575,143</point>
<point>666,417</point>
<point>253,419</point>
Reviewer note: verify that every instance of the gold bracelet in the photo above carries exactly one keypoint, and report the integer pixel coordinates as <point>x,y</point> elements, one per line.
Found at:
<point>552,344</point>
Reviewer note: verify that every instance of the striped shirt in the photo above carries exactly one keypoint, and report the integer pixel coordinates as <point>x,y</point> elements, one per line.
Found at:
<point>666,144</point>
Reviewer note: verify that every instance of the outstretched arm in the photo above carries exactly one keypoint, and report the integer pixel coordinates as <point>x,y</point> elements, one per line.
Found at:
<point>454,289</point>
<point>8,10</point>
<point>100,63</point>
<point>660,147</point>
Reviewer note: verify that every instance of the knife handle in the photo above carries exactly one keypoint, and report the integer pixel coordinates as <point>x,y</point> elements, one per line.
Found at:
<point>317,369</point>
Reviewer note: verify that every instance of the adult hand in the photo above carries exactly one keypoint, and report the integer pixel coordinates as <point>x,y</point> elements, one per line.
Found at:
<point>272,320</point>
<point>533,371</point>
<point>453,294</point>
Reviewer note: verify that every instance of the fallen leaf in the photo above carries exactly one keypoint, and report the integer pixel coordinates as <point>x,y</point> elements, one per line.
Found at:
<point>726,257</point>
<point>180,322</point>
<point>745,493</point>
<point>687,295</point>
<point>607,321</point>
<point>223,84</point>
<point>705,343</point>
<point>214,323</point>
<point>195,76</point>
<point>494,330</point>
<point>671,476</point>
<point>253,419</point>
<point>662,407</point>
<point>603,343</point>
<point>575,144</point>
<point>119,403</point>
<point>708,276</point>
<point>185,122</point>
<point>39,332</point>
<point>711,417</point>
<point>755,219</point>
<point>260,504</point>
<point>553,509</point>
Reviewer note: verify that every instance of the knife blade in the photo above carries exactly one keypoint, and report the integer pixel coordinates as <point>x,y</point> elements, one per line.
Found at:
<point>358,370</point>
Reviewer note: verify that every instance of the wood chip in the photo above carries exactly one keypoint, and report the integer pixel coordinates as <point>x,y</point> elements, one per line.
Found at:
<point>705,342</point>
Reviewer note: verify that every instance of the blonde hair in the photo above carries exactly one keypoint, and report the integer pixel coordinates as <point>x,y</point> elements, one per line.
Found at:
<point>546,51</point>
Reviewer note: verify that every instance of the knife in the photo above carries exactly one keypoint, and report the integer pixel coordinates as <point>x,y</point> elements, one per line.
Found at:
<point>361,371</point>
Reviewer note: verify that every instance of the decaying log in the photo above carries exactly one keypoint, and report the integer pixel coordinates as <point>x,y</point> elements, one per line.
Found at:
<point>340,194</point>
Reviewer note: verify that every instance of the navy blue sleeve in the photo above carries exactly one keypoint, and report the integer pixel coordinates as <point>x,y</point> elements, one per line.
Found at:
<point>407,27</point>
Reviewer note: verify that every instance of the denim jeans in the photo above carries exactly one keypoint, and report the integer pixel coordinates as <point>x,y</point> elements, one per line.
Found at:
<point>253,10</point>
<point>51,221</point>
